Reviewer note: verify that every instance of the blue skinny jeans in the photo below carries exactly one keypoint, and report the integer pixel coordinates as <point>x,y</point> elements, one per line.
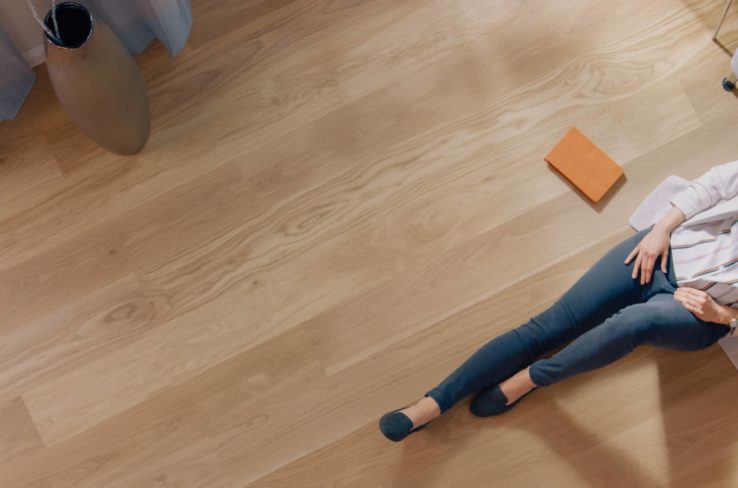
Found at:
<point>605,315</point>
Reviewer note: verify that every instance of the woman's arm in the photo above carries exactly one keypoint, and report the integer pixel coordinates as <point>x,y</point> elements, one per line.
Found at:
<point>673,218</point>
<point>718,183</point>
<point>729,313</point>
<point>704,306</point>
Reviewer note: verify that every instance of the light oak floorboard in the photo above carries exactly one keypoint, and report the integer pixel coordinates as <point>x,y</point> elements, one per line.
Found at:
<point>339,202</point>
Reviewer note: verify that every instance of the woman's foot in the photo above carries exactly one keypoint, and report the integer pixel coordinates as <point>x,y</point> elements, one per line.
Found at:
<point>500,398</point>
<point>399,424</point>
<point>517,385</point>
<point>425,410</point>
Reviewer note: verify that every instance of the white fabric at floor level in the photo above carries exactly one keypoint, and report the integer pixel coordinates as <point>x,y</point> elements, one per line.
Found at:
<point>136,22</point>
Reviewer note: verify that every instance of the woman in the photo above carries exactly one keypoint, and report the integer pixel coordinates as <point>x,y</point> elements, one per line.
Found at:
<point>671,285</point>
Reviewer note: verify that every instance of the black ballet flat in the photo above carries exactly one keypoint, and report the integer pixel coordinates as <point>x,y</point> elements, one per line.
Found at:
<point>492,402</point>
<point>396,426</point>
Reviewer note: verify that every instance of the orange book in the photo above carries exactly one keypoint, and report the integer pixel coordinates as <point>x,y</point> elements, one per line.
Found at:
<point>584,165</point>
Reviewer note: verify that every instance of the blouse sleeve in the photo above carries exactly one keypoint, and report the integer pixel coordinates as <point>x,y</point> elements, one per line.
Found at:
<point>718,183</point>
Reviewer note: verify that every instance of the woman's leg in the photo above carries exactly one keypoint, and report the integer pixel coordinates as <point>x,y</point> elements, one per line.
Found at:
<point>662,321</point>
<point>604,289</point>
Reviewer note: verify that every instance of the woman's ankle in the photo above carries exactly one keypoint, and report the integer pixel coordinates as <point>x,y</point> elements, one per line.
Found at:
<point>517,385</point>
<point>424,410</point>
<point>430,405</point>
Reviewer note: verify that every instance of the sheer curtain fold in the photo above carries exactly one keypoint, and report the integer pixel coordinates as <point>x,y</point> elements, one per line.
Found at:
<point>16,78</point>
<point>136,22</point>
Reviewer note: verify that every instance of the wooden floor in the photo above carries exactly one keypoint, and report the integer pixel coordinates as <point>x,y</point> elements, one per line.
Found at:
<point>341,200</point>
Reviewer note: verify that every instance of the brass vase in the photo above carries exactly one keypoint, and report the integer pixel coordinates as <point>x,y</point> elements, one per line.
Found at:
<point>96,79</point>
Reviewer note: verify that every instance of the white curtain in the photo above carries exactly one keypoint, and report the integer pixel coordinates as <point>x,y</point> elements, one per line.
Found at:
<point>136,22</point>
<point>16,78</point>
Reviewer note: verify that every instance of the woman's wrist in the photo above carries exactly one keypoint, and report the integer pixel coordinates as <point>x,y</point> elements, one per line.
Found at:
<point>670,221</point>
<point>663,228</point>
<point>727,314</point>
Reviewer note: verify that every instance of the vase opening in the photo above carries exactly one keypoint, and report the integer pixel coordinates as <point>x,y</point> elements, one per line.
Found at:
<point>74,22</point>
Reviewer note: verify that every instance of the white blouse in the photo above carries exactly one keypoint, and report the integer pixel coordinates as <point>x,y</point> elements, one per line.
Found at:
<point>706,255</point>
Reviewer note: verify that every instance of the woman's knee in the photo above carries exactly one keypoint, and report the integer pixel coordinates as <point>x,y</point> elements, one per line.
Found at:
<point>550,328</point>
<point>660,328</point>
<point>709,335</point>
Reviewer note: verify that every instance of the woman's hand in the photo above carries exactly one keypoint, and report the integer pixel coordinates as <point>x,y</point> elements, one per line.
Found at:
<point>655,244</point>
<point>701,304</point>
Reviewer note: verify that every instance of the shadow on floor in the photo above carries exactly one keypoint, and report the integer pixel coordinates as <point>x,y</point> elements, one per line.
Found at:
<point>700,425</point>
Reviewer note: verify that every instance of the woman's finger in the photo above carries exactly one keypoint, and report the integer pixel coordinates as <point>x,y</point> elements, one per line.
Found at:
<point>686,304</point>
<point>688,291</point>
<point>664,259</point>
<point>685,293</point>
<point>691,292</point>
<point>688,297</point>
<point>646,268</point>
<point>637,265</point>
<point>692,306</point>
<point>632,253</point>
